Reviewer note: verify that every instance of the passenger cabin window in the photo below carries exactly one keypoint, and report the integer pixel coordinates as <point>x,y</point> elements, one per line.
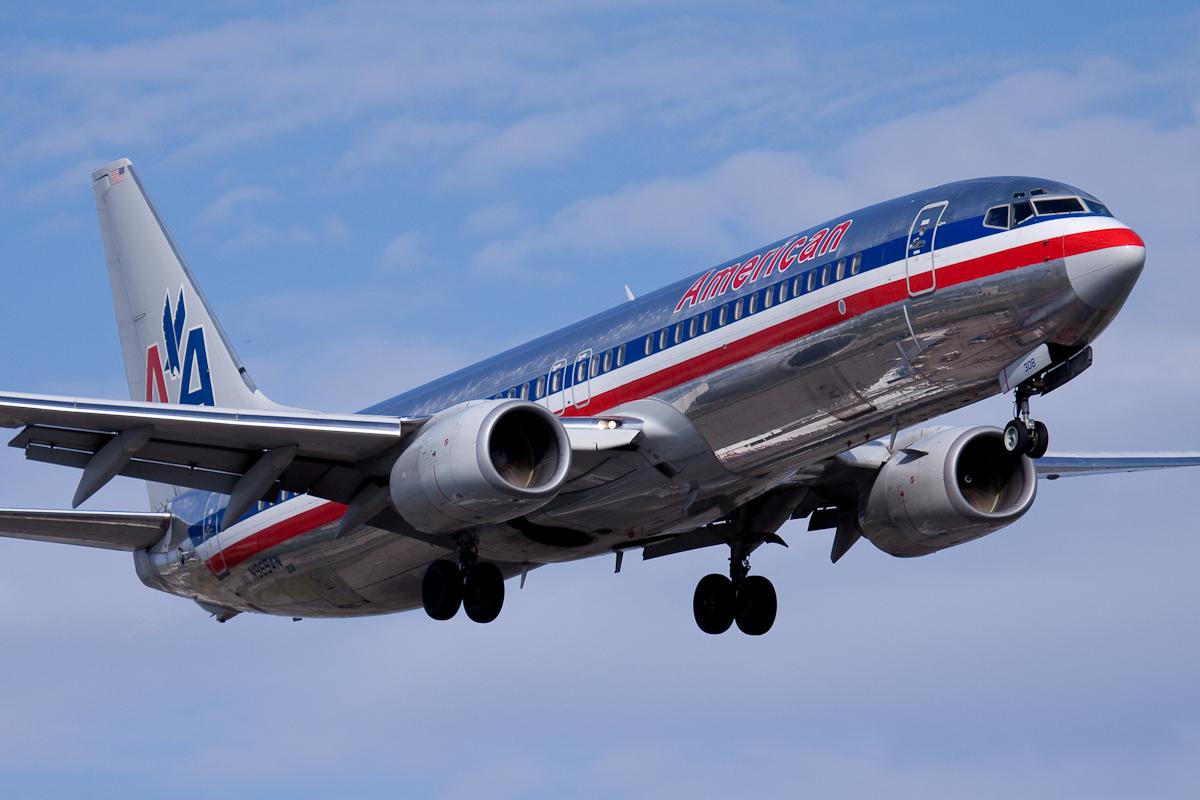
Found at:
<point>679,333</point>
<point>662,339</point>
<point>812,280</point>
<point>722,315</point>
<point>825,275</point>
<point>1058,205</point>
<point>706,323</point>
<point>783,291</point>
<point>841,269</point>
<point>996,217</point>
<point>856,263</point>
<point>752,304</point>
<point>524,391</point>
<point>1022,210</point>
<point>555,380</point>
<point>607,364</point>
<point>649,344</point>
<point>540,389</point>
<point>595,366</point>
<point>621,356</point>
<point>737,309</point>
<point>692,326</point>
<point>768,298</point>
<point>797,286</point>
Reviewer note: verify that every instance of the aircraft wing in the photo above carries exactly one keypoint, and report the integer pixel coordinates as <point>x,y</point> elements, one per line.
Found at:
<point>1064,465</point>
<point>111,530</point>
<point>245,453</point>
<point>204,447</point>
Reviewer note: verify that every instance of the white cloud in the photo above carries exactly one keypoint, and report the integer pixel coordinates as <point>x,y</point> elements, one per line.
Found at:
<point>536,141</point>
<point>406,251</point>
<point>1053,123</point>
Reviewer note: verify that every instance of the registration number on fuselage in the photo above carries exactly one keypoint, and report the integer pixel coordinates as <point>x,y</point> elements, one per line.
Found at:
<point>265,566</point>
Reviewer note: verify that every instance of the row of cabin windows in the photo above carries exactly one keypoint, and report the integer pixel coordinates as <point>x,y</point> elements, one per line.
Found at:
<point>585,368</point>
<point>599,364</point>
<point>1016,212</point>
<point>751,304</point>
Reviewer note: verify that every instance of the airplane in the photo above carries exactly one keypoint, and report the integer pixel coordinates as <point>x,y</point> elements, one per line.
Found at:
<point>791,382</point>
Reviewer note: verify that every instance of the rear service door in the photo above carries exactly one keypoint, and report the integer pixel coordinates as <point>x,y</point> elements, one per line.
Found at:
<point>919,260</point>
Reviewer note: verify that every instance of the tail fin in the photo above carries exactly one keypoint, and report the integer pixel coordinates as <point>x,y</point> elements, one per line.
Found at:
<point>174,348</point>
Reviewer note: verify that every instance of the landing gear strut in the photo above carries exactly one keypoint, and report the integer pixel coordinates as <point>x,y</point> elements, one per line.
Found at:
<point>475,586</point>
<point>1024,436</point>
<point>1040,371</point>
<point>746,599</point>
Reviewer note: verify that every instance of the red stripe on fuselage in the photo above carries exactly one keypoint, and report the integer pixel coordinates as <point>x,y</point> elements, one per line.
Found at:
<point>280,532</point>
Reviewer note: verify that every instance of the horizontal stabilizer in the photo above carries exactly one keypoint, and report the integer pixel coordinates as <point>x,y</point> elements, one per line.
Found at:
<point>112,530</point>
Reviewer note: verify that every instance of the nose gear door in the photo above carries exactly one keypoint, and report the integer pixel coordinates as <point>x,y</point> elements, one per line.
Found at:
<point>920,269</point>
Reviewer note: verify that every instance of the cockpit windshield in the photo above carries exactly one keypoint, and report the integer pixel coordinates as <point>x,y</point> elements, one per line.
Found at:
<point>1023,208</point>
<point>1058,205</point>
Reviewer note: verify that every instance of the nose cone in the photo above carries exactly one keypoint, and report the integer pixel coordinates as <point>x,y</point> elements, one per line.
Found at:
<point>1103,278</point>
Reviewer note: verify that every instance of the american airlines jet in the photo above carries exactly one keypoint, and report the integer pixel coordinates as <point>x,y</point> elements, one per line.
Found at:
<point>789,382</point>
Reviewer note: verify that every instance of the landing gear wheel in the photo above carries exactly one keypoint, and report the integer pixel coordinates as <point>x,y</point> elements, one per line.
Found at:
<point>713,604</point>
<point>756,606</point>
<point>483,592</point>
<point>1039,441</point>
<point>442,589</point>
<point>1016,438</point>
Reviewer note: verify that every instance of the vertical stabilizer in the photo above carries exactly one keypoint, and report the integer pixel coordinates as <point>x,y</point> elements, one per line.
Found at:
<point>174,348</point>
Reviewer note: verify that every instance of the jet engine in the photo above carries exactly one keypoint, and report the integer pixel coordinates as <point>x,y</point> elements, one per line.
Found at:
<point>480,462</point>
<point>946,488</point>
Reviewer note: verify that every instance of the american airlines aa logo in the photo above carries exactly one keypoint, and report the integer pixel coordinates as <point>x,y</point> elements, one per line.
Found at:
<point>189,379</point>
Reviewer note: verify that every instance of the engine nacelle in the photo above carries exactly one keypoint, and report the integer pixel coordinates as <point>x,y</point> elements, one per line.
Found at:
<point>480,462</point>
<point>946,488</point>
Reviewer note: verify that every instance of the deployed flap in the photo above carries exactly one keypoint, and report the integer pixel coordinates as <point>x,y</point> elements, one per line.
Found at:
<point>112,530</point>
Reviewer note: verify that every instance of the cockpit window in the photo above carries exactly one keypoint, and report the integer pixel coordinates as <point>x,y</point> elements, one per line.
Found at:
<point>1058,205</point>
<point>1022,210</point>
<point>1099,208</point>
<point>996,217</point>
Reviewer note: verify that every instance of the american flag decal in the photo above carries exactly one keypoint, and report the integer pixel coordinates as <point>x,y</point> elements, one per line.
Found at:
<point>116,176</point>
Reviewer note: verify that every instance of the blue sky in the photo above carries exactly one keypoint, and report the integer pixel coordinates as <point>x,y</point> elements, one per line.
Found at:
<point>372,195</point>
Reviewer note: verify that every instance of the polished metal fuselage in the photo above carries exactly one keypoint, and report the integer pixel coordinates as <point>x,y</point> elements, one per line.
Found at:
<point>764,418</point>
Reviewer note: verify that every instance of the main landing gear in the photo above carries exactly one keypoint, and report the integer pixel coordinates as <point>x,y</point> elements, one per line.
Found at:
<point>475,586</point>
<point>746,599</point>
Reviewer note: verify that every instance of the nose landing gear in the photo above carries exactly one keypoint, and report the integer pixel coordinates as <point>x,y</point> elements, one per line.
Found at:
<point>473,585</point>
<point>1041,371</point>
<point>1024,436</point>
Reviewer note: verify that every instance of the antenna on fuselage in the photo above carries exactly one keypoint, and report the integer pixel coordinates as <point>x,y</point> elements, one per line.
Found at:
<point>629,295</point>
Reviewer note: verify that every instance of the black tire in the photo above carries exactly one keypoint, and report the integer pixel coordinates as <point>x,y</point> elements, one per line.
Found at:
<point>1039,442</point>
<point>756,606</point>
<point>442,589</point>
<point>1016,438</point>
<point>483,592</point>
<point>713,604</point>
